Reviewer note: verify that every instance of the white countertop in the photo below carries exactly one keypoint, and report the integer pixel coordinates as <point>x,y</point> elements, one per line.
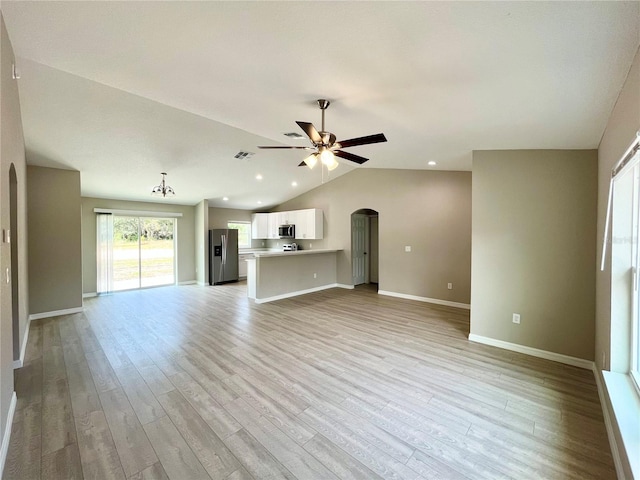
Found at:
<point>280,253</point>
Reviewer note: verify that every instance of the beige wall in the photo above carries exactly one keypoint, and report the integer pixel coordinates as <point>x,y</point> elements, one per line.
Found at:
<point>280,275</point>
<point>186,271</point>
<point>620,131</point>
<point>428,210</point>
<point>534,248</point>
<point>219,217</point>
<point>55,258</point>
<point>11,153</point>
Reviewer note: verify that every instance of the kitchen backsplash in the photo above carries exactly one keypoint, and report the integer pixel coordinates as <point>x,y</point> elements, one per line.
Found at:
<point>277,243</point>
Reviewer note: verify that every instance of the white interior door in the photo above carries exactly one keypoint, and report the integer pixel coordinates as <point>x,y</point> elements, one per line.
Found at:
<point>358,247</point>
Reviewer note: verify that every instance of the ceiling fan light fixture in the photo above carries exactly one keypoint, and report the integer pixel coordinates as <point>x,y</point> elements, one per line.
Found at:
<point>333,165</point>
<point>311,160</point>
<point>163,190</point>
<point>327,157</point>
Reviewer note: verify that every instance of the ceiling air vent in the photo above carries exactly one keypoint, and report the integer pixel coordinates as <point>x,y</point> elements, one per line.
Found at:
<point>243,155</point>
<point>293,135</point>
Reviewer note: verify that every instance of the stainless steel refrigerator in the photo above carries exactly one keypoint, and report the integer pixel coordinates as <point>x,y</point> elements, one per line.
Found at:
<point>223,256</point>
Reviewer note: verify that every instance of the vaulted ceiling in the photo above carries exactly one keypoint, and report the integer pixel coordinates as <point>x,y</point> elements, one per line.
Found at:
<point>122,91</point>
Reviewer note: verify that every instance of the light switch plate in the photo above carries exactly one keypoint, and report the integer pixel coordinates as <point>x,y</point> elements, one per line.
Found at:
<point>407,248</point>
<point>6,236</point>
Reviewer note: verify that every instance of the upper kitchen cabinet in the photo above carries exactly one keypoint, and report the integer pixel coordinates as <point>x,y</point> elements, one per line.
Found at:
<point>287,218</point>
<point>274,223</point>
<point>260,226</point>
<point>309,224</point>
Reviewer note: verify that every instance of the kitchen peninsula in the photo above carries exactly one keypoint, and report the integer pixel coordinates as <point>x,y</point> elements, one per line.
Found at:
<point>275,275</point>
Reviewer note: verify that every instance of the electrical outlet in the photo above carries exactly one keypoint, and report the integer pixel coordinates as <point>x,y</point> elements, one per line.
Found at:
<point>315,275</point>
<point>450,286</point>
<point>516,318</point>
<point>263,244</point>
<point>310,245</point>
<point>407,248</point>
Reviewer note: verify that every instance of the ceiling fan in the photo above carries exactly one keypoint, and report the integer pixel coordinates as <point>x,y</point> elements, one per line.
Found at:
<point>325,146</point>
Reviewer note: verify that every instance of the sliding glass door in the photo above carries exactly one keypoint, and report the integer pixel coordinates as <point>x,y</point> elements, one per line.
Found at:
<point>157,253</point>
<point>136,252</point>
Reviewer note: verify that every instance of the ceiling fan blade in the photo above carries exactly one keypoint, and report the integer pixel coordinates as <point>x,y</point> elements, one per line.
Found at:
<point>350,156</point>
<point>311,131</point>
<point>377,138</point>
<point>282,146</point>
<point>302,164</point>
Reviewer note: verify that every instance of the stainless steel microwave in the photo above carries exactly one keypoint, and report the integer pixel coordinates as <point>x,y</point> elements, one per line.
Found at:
<point>287,231</point>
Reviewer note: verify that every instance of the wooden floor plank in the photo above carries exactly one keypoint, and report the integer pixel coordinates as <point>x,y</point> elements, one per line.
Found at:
<point>210,450</point>
<point>220,421</point>
<point>129,437</point>
<point>63,463</point>
<point>58,427</point>
<point>255,458</point>
<point>98,453</point>
<point>154,472</point>
<point>338,461</point>
<point>103,375</point>
<point>176,457</point>
<point>24,457</point>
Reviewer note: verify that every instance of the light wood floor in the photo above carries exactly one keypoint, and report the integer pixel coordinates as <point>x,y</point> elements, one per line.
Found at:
<point>196,382</point>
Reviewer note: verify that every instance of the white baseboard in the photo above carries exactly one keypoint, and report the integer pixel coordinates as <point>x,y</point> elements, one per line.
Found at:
<point>90,294</point>
<point>202,284</point>
<point>188,282</point>
<point>437,301</point>
<point>300,292</point>
<point>344,285</point>
<point>615,453</point>
<point>55,313</point>
<point>6,438</point>
<point>23,348</point>
<point>534,352</point>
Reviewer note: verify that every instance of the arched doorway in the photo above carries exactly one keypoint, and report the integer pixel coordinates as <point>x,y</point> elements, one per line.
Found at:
<point>13,229</point>
<point>364,247</point>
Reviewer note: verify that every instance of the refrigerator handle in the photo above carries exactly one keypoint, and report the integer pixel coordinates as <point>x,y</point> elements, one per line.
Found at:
<point>224,249</point>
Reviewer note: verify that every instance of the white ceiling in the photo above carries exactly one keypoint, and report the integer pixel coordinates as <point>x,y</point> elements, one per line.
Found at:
<point>124,90</point>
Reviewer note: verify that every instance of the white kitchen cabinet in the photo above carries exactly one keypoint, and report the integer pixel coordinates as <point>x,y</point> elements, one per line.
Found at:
<point>274,223</point>
<point>309,224</point>
<point>286,218</point>
<point>260,226</point>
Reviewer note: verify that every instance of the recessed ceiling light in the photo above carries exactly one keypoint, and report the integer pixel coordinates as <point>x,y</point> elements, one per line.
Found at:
<point>225,199</point>
<point>259,177</point>
<point>294,184</point>
<point>432,163</point>
<point>259,202</point>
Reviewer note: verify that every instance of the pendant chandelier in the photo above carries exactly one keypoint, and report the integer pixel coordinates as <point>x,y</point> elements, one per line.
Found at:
<point>162,190</point>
